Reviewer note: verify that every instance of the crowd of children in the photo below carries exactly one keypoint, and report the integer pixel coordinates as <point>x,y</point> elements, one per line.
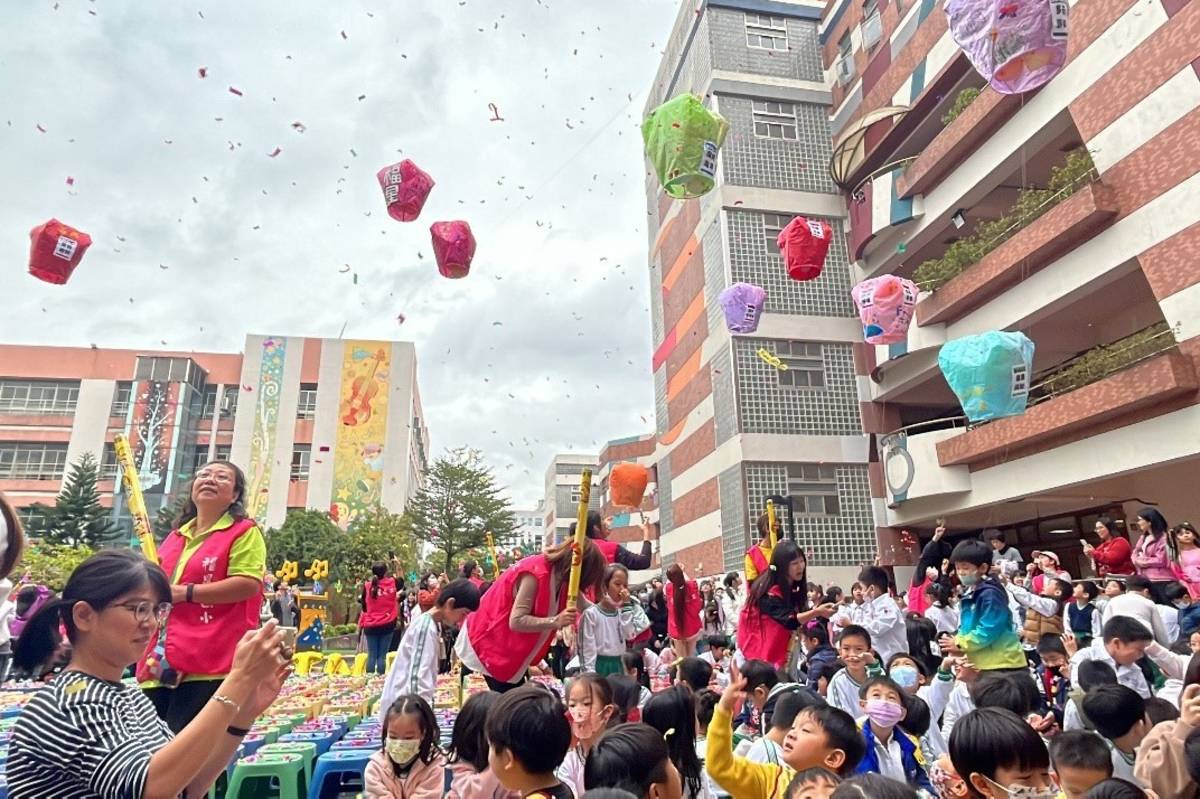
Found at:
<point>996,683</point>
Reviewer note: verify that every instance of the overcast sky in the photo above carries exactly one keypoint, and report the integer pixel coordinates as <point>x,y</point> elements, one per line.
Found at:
<point>200,236</point>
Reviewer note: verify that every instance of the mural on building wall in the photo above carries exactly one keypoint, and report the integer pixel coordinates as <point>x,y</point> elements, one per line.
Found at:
<point>362,430</point>
<point>153,431</point>
<point>266,414</point>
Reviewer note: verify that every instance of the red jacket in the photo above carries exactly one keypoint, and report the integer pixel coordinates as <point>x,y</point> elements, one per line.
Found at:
<point>761,636</point>
<point>380,610</point>
<point>691,611</point>
<point>504,653</point>
<point>1113,556</point>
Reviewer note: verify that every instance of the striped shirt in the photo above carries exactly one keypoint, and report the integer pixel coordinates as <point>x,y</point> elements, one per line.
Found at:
<point>415,669</point>
<point>84,738</point>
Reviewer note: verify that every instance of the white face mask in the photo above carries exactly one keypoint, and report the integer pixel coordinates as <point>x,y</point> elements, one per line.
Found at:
<point>402,752</point>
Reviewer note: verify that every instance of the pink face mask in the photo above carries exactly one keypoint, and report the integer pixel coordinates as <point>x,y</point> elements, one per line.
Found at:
<point>884,712</point>
<point>585,723</point>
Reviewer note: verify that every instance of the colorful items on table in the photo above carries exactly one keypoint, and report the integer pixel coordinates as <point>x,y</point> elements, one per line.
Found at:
<point>453,247</point>
<point>742,304</point>
<point>405,188</point>
<point>804,243</point>
<point>55,250</point>
<point>682,138</point>
<point>989,373</point>
<point>885,308</point>
<point>628,484</point>
<point>1016,45</point>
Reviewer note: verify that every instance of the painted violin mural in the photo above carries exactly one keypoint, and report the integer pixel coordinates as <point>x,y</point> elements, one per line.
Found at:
<point>357,408</point>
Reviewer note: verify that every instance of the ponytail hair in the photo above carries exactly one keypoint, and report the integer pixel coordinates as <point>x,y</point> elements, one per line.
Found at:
<point>99,581</point>
<point>678,594</point>
<point>379,571</point>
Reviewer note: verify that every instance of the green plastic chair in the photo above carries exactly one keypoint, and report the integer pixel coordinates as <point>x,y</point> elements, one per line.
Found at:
<point>306,750</point>
<point>254,777</point>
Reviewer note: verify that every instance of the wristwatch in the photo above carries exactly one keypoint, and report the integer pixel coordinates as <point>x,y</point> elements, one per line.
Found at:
<point>191,589</point>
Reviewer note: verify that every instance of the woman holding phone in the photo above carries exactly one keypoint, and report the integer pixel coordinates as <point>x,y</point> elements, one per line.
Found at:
<point>1113,555</point>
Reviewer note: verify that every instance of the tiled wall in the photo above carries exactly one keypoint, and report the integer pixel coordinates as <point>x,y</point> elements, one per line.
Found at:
<point>734,540</point>
<point>752,262</point>
<point>800,165</point>
<point>665,516</point>
<point>724,396</point>
<point>845,538</point>
<point>768,407</point>
<point>802,59</point>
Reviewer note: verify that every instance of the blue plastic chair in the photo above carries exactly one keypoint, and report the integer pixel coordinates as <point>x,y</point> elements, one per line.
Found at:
<point>323,740</point>
<point>357,744</point>
<point>338,765</point>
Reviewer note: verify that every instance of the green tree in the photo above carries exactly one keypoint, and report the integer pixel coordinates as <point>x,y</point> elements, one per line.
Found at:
<point>305,535</point>
<point>377,537</point>
<point>77,518</point>
<point>164,521</point>
<point>458,505</point>
<point>52,565</point>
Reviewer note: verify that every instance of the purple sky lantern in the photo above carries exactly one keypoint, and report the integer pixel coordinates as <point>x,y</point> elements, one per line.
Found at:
<point>1017,45</point>
<point>742,304</point>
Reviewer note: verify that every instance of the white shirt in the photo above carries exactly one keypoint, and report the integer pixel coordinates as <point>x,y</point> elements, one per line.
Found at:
<point>842,693</point>
<point>1122,768</point>
<point>1139,607</point>
<point>1130,676</point>
<point>415,669</point>
<point>603,631</point>
<point>945,619</point>
<point>882,618</point>
<point>731,607</point>
<point>957,706</point>
<point>764,750</point>
<point>1170,620</point>
<point>891,763</point>
<point>1097,619</point>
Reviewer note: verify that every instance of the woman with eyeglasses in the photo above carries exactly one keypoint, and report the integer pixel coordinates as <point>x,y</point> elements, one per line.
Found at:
<point>214,559</point>
<point>88,734</point>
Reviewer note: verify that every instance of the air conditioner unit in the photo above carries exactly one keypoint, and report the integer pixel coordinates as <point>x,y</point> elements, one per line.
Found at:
<point>872,30</point>
<point>845,70</point>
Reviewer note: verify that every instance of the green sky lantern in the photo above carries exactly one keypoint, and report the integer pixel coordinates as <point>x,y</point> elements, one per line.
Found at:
<point>682,139</point>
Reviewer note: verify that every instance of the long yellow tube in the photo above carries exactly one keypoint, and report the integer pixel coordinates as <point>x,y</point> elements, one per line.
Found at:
<point>771,523</point>
<point>585,496</point>
<point>491,545</point>
<point>133,493</point>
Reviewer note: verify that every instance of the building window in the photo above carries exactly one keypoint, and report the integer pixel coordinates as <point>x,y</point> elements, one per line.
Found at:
<point>813,488</point>
<point>300,458</point>
<point>121,395</point>
<point>221,453</point>
<point>209,406</point>
<point>575,496</point>
<point>773,225</point>
<point>39,396</point>
<point>31,515</point>
<point>306,406</point>
<point>870,7</point>
<point>229,401</point>
<point>108,463</point>
<point>844,45</point>
<point>199,457</point>
<point>766,32</point>
<point>872,25</point>
<point>805,364</point>
<point>775,120</point>
<point>29,461</point>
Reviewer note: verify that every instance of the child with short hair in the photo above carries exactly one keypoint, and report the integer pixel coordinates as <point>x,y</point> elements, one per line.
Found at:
<point>1053,676</point>
<point>528,735</point>
<point>1089,674</point>
<point>635,668</point>
<point>890,751</point>
<point>409,764</point>
<point>706,705</point>
<point>415,669</point>
<point>985,634</point>
<point>468,775</point>
<point>1081,617</point>
<point>909,673</point>
<point>941,610</point>
<point>819,657</point>
<point>769,748</point>
<point>1119,714</point>
<point>632,758</point>
<point>605,626</point>
<point>813,783</point>
<point>694,672</point>
<point>880,615</point>
<point>761,678</point>
<point>859,664</point>
<point>717,656</point>
<point>1122,644</point>
<point>995,752</point>
<point>1080,760</point>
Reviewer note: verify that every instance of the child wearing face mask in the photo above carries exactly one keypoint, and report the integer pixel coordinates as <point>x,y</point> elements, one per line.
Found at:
<point>908,672</point>
<point>591,710</point>
<point>1053,676</point>
<point>985,634</point>
<point>999,756</point>
<point>890,751</point>
<point>410,765</point>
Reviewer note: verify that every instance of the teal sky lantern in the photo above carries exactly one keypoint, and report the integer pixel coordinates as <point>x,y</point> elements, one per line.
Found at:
<point>989,373</point>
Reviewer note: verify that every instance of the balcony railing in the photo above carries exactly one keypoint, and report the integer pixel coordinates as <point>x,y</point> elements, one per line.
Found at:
<point>1100,362</point>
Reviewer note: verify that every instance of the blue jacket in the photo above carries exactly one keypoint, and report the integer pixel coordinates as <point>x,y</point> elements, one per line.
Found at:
<point>910,757</point>
<point>986,633</point>
<point>821,663</point>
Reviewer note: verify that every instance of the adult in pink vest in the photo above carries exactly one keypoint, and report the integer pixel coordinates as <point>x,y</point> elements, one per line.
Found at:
<point>683,611</point>
<point>518,616</point>
<point>215,559</point>
<point>600,528</point>
<point>776,607</point>
<point>381,607</point>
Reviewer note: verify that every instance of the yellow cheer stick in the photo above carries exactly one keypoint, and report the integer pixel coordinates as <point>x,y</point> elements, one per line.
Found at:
<point>134,497</point>
<point>491,545</point>
<point>771,523</point>
<point>585,496</point>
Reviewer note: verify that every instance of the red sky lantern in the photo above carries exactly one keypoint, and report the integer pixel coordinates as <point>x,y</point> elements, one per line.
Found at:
<point>55,250</point>
<point>628,484</point>
<point>454,247</point>
<point>804,244</point>
<point>405,189</point>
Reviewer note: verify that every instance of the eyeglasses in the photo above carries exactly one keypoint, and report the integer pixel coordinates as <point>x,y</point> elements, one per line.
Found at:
<point>144,611</point>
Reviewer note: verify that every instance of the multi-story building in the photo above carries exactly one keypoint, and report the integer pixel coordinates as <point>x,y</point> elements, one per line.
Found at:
<point>992,205</point>
<point>627,522</point>
<point>732,429</point>
<point>320,423</point>
<point>530,532</point>
<point>561,504</point>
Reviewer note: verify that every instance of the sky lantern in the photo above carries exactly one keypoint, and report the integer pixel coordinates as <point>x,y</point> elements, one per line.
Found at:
<point>989,373</point>
<point>1016,45</point>
<point>454,247</point>
<point>742,304</point>
<point>405,189</point>
<point>804,243</point>
<point>682,138</point>
<point>627,484</point>
<point>885,308</point>
<point>55,250</point>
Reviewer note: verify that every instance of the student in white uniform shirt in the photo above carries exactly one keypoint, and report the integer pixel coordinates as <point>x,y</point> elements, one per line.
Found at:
<point>1119,715</point>
<point>881,616</point>
<point>769,748</point>
<point>1136,603</point>
<point>1122,643</point>
<point>717,656</point>
<point>854,649</point>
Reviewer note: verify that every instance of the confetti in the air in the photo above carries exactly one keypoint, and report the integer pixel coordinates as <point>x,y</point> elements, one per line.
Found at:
<point>203,72</point>
<point>495,113</point>
<point>275,152</point>
<point>235,90</point>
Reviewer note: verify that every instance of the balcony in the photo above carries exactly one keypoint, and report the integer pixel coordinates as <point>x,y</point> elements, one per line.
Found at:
<point>911,468</point>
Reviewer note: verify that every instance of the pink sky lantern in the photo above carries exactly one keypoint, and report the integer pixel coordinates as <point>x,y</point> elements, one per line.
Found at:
<point>885,307</point>
<point>804,244</point>
<point>742,304</point>
<point>1016,45</point>
<point>454,247</point>
<point>55,250</point>
<point>405,189</point>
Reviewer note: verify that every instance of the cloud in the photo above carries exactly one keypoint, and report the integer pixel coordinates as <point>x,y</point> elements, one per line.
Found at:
<point>172,170</point>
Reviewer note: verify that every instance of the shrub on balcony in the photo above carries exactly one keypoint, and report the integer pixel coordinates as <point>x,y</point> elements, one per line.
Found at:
<point>1099,362</point>
<point>964,99</point>
<point>1075,172</point>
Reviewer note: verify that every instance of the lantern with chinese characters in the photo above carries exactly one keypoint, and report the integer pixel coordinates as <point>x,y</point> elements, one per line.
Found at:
<point>803,245</point>
<point>55,250</point>
<point>627,484</point>
<point>405,188</point>
<point>454,247</point>
<point>989,373</point>
<point>742,304</point>
<point>885,307</point>
<point>1016,45</point>
<point>682,139</point>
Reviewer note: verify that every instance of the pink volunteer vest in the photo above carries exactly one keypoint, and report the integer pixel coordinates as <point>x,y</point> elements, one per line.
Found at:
<point>760,637</point>
<point>380,609</point>
<point>501,650</point>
